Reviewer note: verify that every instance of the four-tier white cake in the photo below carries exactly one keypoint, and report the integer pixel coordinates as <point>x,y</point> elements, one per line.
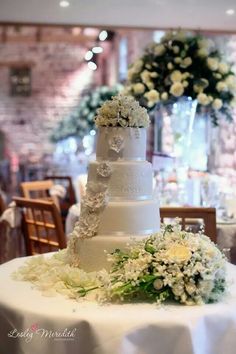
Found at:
<point>119,203</point>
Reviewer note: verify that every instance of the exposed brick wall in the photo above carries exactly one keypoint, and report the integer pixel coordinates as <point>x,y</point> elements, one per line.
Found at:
<point>58,77</point>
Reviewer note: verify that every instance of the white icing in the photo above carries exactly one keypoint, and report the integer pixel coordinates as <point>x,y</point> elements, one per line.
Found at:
<point>115,143</point>
<point>91,251</point>
<point>129,209</point>
<point>130,218</point>
<point>129,180</point>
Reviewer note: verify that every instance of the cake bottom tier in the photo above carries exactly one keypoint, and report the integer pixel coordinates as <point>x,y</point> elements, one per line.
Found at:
<point>92,253</point>
<point>121,218</point>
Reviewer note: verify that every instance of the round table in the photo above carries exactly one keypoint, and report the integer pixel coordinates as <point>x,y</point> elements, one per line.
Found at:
<point>31,323</point>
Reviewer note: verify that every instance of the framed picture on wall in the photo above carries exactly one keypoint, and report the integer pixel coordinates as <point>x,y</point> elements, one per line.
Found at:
<point>20,81</point>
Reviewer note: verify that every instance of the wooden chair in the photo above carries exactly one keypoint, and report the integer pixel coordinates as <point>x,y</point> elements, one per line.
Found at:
<point>193,217</point>
<point>38,190</point>
<point>41,225</point>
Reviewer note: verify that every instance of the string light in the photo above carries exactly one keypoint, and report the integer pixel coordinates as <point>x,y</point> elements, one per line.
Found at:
<point>88,56</point>
<point>103,35</point>
<point>92,65</point>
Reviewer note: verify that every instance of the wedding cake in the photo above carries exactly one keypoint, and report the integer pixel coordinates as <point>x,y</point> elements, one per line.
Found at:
<point>119,203</point>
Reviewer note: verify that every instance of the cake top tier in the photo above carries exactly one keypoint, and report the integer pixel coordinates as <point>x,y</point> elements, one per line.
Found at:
<point>122,111</point>
<point>117,143</point>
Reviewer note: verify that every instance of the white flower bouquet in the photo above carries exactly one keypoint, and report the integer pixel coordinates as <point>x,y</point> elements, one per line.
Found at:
<point>122,111</point>
<point>183,65</point>
<point>170,265</point>
<point>81,120</point>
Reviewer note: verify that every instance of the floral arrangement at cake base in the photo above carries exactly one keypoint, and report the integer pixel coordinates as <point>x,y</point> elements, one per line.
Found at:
<point>184,64</point>
<point>170,265</point>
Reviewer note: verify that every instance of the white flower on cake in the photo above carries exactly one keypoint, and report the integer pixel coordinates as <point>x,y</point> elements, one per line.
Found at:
<point>88,225</point>
<point>104,169</point>
<point>122,111</point>
<point>116,143</point>
<point>96,196</point>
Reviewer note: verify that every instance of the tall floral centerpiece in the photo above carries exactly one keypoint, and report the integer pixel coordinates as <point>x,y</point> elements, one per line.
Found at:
<point>183,68</point>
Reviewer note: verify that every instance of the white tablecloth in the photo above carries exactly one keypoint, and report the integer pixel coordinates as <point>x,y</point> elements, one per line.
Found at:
<point>105,329</point>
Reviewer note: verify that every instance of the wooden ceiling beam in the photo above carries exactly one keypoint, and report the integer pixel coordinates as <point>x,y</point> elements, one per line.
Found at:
<point>16,63</point>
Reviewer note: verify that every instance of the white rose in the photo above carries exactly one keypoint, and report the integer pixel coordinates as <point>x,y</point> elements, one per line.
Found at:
<point>176,49</point>
<point>158,284</point>
<point>181,36</point>
<point>203,99</point>
<point>186,62</point>
<point>170,66</point>
<point>176,76</point>
<point>217,103</point>
<point>167,36</point>
<point>217,75</point>
<point>137,66</point>
<point>210,98</point>
<point>130,74</point>
<point>152,96</point>
<point>203,52</point>
<point>138,88</point>
<point>223,68</point>
<point>231,82</point>
<point>221,86</point>
<point>198,88</point>
<point>145,76</point>
<point>177,89</point>
<point>126,90</point>
<point>164,96</point>
<point>177,60</point>
<point>212,63</point>
<point>206,43</point>
<point>159,50</point>
<point>150,85</point>
<point>153,74</point>
<point>185,75</point>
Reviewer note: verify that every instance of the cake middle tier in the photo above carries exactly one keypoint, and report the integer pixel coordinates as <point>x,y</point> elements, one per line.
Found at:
<point>130,218</point>
<point>129,180</point>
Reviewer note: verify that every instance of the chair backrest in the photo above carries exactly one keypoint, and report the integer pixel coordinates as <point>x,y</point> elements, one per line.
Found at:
<point>38,190</point>
<point>42,225</point>
<point>193,218</point>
